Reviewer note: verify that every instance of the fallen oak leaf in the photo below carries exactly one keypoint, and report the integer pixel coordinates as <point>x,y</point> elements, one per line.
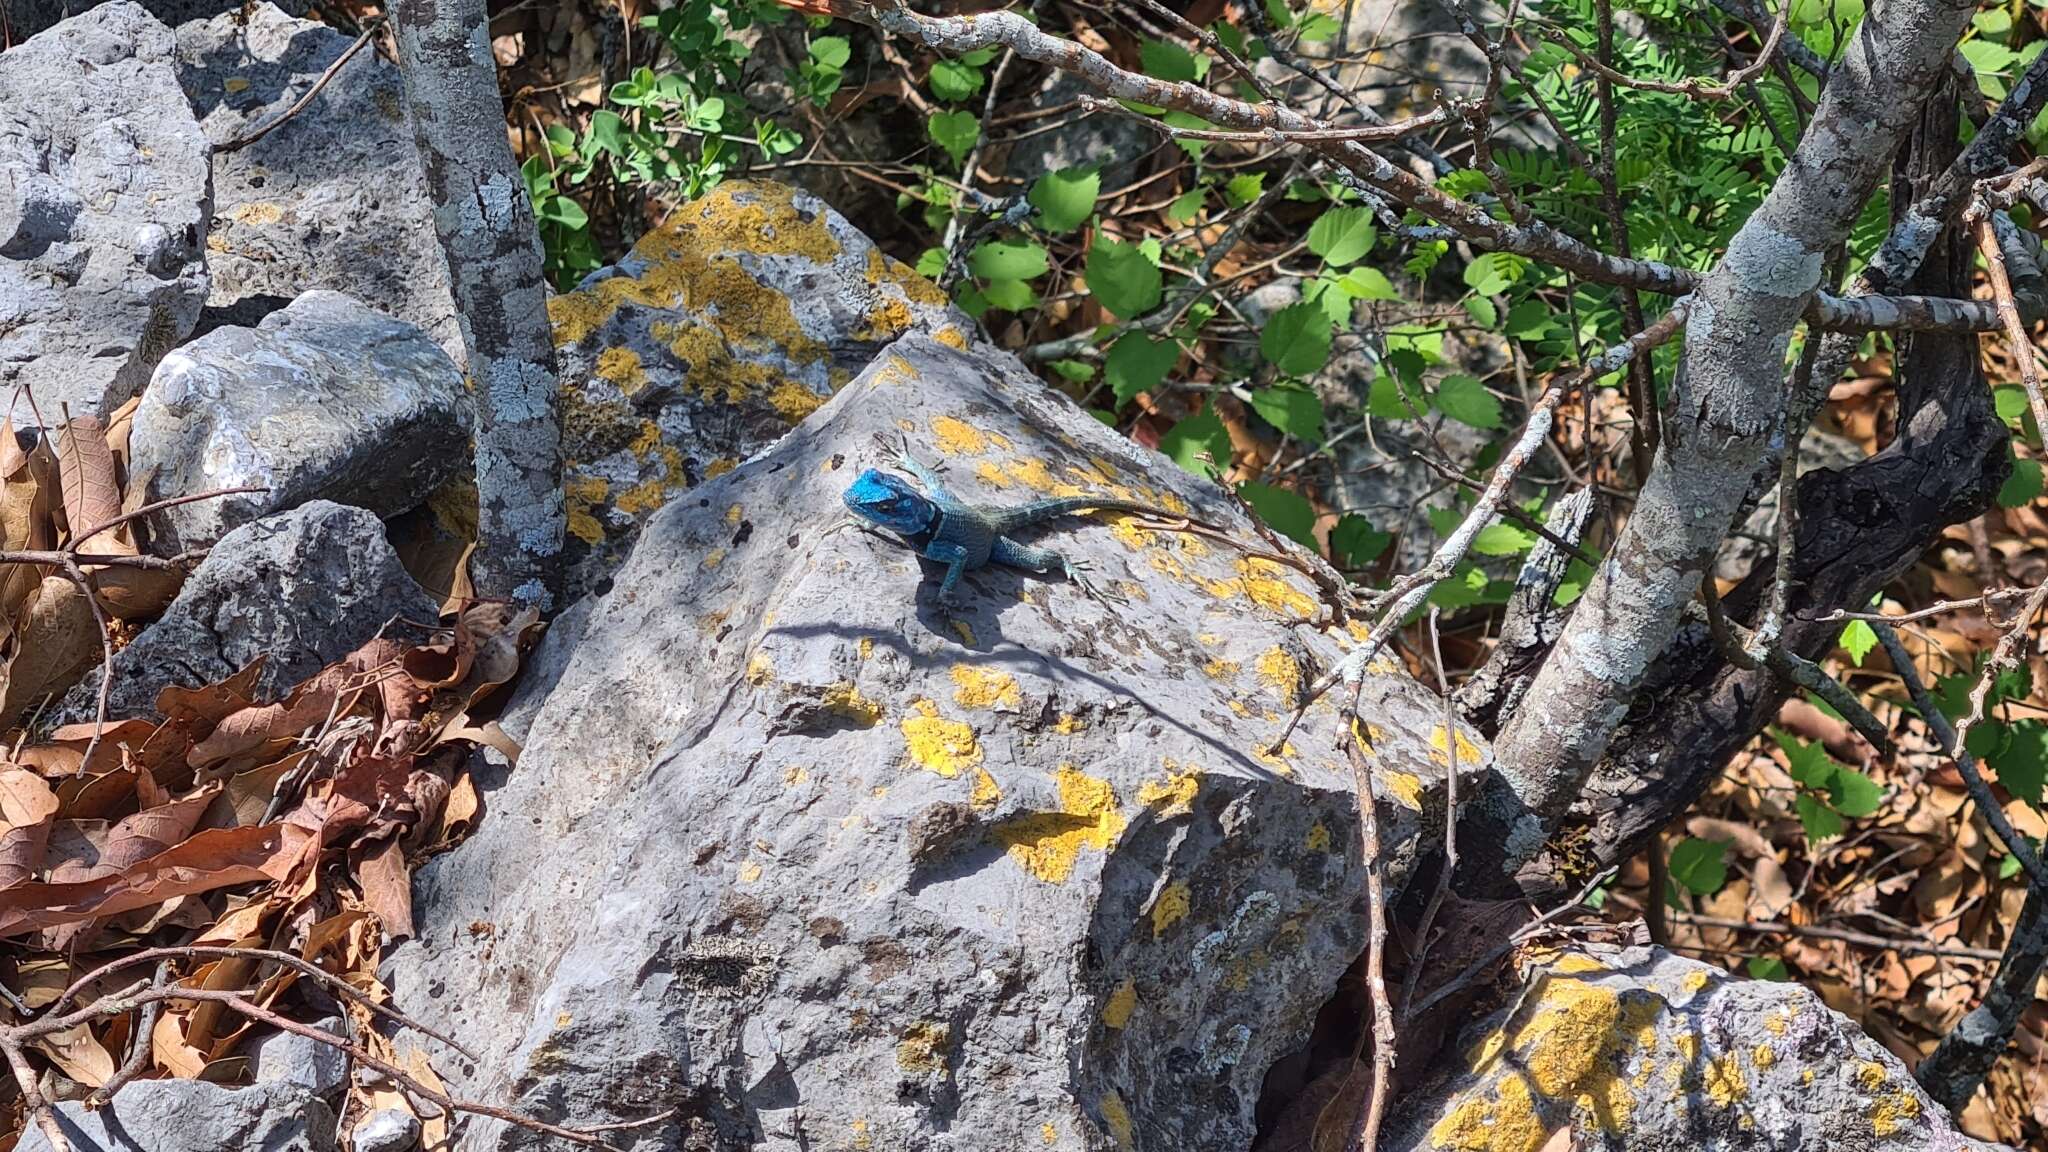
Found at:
<point>206,705</point>
<point>91,488</point>
<point>29,807</point>
<point>214,858</point>
<point>250,729</point>
<point>53,647</point>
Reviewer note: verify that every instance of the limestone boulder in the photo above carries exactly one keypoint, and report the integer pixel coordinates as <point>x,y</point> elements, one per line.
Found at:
<point>840,868</point>
<point>105,194</point>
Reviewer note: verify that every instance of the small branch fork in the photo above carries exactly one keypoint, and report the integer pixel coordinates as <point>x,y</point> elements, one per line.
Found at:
<point>149,997</point>
<point>1410,592</point>
<point>1693,87</point>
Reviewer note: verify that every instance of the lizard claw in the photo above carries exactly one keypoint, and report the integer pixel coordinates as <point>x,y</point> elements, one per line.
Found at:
<point>897,448</point>
<point>1081,574</point>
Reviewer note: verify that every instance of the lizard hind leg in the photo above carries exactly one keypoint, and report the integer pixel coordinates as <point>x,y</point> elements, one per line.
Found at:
<point>1078,572</point>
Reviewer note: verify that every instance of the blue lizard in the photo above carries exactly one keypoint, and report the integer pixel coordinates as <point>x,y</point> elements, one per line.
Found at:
<point>965,537</point>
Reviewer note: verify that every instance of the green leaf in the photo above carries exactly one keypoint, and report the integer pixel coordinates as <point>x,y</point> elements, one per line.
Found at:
<point>1819,820</point>
<point>1858,638</point>
<point>1367,284</point>
<point>1076,372</point>
<point>1066,198</point>
<point>831,51</point>
<point>1467,401</point>
<point>608,132</point>
<point>1244,188</point>
<point>1297,339</point>
<point>2022,486</point>
<point>954,131</point>
<point>1293,410</point>
<point>1007,260</point>
<point>2022,765</point>
<point>2008,866</point>
<point>1187,205</point>
<point>564,211</point>
<point>1354,541</point>
<point>1009,295</point>
<point>2011,402</point>
<point>1386,401</point>
<point>931,263</point>
<point>1767,968</point>
<point>1500,539</point>
<point>1164,61</point>
<point>1529,320</point>
<point>953,80</point>
<point>1807,763</point>
<point>1137,363</point>
<point>1122,278</point>
<point>1490,273</point>
<point>1482,311</point>
<point>1342,235</point>
<point>1853,794</point>
<point>1699,865</point>
<point>1284,510</point>
<point>1185,442</point>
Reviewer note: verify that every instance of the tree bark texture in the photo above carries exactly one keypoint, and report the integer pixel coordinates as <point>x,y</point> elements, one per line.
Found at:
<point>1726,418</point>
<point>486,228</point>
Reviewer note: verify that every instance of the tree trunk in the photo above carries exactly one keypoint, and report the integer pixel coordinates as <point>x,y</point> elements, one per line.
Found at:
<point>486,228</point>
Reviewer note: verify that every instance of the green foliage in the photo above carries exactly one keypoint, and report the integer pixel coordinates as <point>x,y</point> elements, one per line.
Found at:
<point>1284,510</point>
<point>1355,542</point>
<point>1858,638</point>
<point>1123,278</point>
<point>1187,442</point>
<point>1297,339</point>
<point>955,131</point>
<point>1137,363</point>
<point>1292,409</point>
<point>1699,866</point>
<point>1065,199</point>
<point>1467,401</point>
<point>1830,793</point>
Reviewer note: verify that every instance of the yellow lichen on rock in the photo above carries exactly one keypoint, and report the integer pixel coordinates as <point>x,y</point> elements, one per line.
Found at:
<point>982,688</point>
<point>1404,787</point>
<point>622,367</point>
<point>1280,671</point>
<point>1171,907</point>
<point>1724,1080</point>
<point>985,794</point>
<point>845,701</point>
<point>922,1047</point>
<point>1118,1119</point>
<point>1175,795</point>
<point>1266,584</point>
<point>1116,1011</point>
<point>955,437</point>
<point>579,495</point>
<point>1508,1122</point>
<point>1317,839</point>
<point>1048,844</point>
<point>947,747</point>
<point>1440,748</point>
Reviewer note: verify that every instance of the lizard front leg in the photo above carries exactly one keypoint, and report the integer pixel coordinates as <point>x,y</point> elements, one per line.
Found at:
<point>954,557</point>
<point>926,476</point>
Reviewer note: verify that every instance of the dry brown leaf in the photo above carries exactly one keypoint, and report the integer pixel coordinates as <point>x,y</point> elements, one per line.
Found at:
<point>168,1047</point>
<point>386,883</point>
<point>154,830</point>
<point>211,859</point>
<point>207,704</point>
<point>28,806</point>
<point>86,477</point>
<point>250,729</point>
<point>78,1053</point>
<point>54,646</point>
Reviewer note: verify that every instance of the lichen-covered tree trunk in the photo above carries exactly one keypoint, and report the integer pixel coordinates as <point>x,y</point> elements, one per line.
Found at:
<point>487,234</point>
<point>1727,407</point>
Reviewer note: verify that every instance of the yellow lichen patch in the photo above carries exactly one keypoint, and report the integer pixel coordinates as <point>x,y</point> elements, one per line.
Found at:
<point>795,776</point>
<point>1118,1118</point>
<point>641,498</point>
<point>922,1047</point>
<point>844,700</point>
<point>1068,724</point>
<point>1440,748</point>
<point>991,475</point>
<point>760,669</point>
<point>714,558</point>
<point>1764,1056</point>
<point>1047,844</point>
<point>862,1138</point>
<point>1281,672</point>
<point>1265,582</point>
<point>720,467</point>
<point>792,401</point>
<point>749,872</point>
<point>1778,1021</point>
<point>1870,1076</point>
<point>1036,474</point>
<point>985,794</point>
<point>952,337</point>
<point>866,647</point>
<point>965,631</point>
<point>1318,838</point>
<point>1578,963</point>
<point>1125,528</point>
<point>1894,1113</point>
<point>981,688</point>
<point>1508,1122</point>
<point>580,494</point>
<point>1175,795</point>
<point>1116,1011</point>
<point>735,514</point>
<point>956,437</point>
<point>1570,1050</point>
<point>1688,1046</point>
<point>1724,1081</point>
<point>1171,907</point>
<point>936,744</point>
<point>1404,787</point>
<point>1280,761</point>
<point>896,370</point>
<point>1694,981</point>
<point>622,367</point>
<point>1217,668</point>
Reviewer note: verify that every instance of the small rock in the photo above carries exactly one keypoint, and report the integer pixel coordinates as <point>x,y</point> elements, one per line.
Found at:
<point>288,1058</point>
<point>194,1116</point>
<point>27,17</point>
<point>303,588</point>
<point>334,197</point>
<point>1115,145</point>
<point>105,192</point>
<point>325,400</point>
<point>387,1130</point>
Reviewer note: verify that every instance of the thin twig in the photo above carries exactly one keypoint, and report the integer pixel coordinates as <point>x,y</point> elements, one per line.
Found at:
<point>241,142</point>
<point>1845,935</point>
<point>1366,1133</point>
<point>1939,607</point>
<point>1693,87</point>
<point>141,1043</point>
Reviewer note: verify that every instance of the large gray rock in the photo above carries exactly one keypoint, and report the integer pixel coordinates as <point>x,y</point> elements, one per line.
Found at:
<point>735,319</point>
<point>25,18</point>
<point>845,869</point>
<point>195,1116</point>
<point>324,400</point>
<point>1638,1050</point>
<point>332,198</point>
<point>302,588</point>
<point>290,1058</point>
<point>104,197</point>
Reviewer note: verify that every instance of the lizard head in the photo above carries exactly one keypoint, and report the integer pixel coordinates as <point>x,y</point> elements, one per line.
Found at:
<point>889,502</point>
